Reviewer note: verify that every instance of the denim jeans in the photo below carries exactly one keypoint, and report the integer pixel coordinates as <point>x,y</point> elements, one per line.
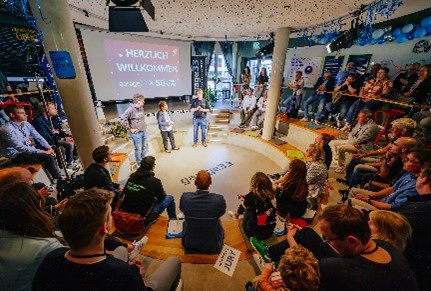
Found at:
<point>168,203</point>
<point>313,99</point>
<point>288,100</point>
<point>202,123</point>
<point>354,108</point>
<point>140,140</point>
<point>344,108</point>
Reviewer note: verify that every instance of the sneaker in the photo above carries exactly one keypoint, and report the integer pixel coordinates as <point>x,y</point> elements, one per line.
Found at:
<point>180,216</point>
<point>195,145</point>
<point>205,144</point>
<point>346,128</point>
<point>260,248</point>
<point>168,151</point>
<point>305,119</point>
<point>339,124</point>
<point>339,170</point>
<point>254,127</point>
<point>176,148</point>
<point>233,214</point>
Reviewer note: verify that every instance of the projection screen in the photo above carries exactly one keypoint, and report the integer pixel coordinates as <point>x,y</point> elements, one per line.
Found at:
<point>124,64</point>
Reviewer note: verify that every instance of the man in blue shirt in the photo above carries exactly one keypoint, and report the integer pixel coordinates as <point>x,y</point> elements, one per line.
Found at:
<point>342,75</point>
<point>41,124</point>
<point>17,142</point>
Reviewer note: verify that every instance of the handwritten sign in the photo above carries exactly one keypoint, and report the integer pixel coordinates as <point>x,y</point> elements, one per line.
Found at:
<point>227,260</point>
<point>62,64</point>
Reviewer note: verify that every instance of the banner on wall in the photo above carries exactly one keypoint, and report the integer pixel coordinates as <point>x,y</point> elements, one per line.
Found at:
<point>361,63</point>
<point>199,73</point>
<point>310,68</point>
<point>333,64</point>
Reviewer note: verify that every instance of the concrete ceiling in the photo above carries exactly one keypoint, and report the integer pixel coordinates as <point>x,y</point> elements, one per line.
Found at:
<point>231,19</point>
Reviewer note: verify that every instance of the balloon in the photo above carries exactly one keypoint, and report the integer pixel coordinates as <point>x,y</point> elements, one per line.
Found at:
<point>396,32</point>
<point>426,22</point>
<point>373,41</point>
<point>407,28</point>
<point>401,38</point>
<point>378,33</point>
<point>380,41</point>
<point>411,36</point>
<point>420,32</point>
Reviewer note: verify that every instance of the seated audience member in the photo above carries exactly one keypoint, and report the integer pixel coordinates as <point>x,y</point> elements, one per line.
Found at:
<point>26,235</point>
<point>360,139</point>
<point>43,127</point>
<point>297,86</point>
<point>86,266</point>
<point>372,74</point>
<point>349,259</point>
<point>203,230</point>
<point>380,87</point>
<point>248,107</point>
<point>292,193</point>
<point>299,270</point>
<point>259,213</point>
<point>348,87</point>
<point>343,75</point>
<point>422,86</point>
<point>391,227</point>
<point>19,174</point>
<point>325,83</point>
<point>417,211</point>
<point>405,80</point>
<point>143,190</point>
<point>317,173</point>
<point>17,138</point>
<point>97,175</point>
<point>165,122</point>
<point>323,140</point>
<point>259,114</point>
<point>392,197</point>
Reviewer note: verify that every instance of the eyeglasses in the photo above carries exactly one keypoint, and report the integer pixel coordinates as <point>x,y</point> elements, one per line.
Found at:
<point>326,240</point>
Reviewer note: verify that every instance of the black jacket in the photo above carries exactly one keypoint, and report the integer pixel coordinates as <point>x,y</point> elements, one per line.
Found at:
<point>98,176</point>
<point>140,192</point>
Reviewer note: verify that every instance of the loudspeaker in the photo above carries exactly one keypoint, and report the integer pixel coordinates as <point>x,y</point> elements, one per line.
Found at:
<point>122,19</point>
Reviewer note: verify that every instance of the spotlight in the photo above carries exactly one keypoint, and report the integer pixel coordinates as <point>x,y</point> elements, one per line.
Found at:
<point>345,40</point>
<point>266,50</point>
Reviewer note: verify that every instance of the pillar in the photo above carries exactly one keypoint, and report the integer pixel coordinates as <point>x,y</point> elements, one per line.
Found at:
<point>59,35</point>
<point>277,69</point>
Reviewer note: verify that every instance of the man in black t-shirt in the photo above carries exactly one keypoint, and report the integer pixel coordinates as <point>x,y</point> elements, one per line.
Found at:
<point>199,108</point>
<point>84,223</point>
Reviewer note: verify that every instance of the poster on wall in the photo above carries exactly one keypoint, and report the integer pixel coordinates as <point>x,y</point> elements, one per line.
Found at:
<point>333,64</point>
<point>361,63</point>
<point>199,73</point>
<point>310,68</point>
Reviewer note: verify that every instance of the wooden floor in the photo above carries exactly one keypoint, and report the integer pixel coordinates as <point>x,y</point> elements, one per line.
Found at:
<point>161,248</point>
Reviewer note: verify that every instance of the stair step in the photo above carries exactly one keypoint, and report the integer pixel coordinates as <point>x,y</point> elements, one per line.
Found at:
<point>222,120</point>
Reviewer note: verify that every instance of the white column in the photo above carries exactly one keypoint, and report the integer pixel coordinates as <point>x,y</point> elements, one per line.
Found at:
<point>277,69</point>
<point>59,35</point>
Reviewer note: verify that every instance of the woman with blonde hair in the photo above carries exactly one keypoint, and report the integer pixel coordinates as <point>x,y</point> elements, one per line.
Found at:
<point>391,227</point>
<point>293,190</point>
<point>259,213</point>
<point>316,174</point>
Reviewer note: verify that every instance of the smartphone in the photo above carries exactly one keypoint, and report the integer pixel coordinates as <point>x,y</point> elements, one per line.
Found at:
<point>50,188</point>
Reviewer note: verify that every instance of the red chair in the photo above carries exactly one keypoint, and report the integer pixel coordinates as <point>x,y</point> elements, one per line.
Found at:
<point>389,115</point>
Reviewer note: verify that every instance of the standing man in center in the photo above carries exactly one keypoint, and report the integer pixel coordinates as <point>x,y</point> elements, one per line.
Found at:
<point>199,108</point>
<point>134,120</point>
